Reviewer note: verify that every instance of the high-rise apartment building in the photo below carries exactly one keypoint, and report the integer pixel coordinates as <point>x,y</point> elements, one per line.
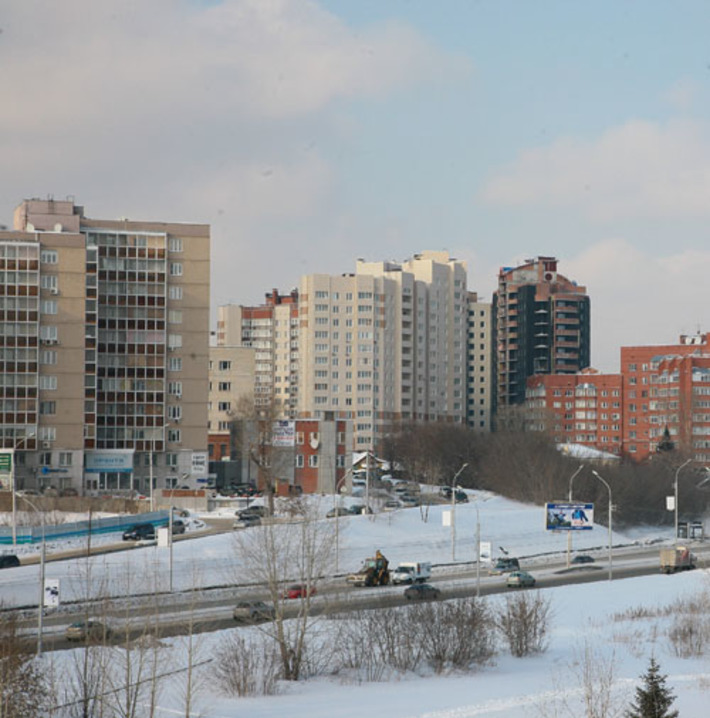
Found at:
<point>542,322</point>
<point>385,345</point>
<point>479,365</point>
<point>103,349</point>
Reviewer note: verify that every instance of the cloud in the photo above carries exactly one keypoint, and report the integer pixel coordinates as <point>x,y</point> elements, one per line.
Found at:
<point>638,298</point>
<point>638,170</point>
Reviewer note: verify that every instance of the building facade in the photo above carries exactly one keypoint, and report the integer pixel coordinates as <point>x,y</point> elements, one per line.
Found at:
<point>542,326</point>
<point>104,347</point>
<point>479,365</point>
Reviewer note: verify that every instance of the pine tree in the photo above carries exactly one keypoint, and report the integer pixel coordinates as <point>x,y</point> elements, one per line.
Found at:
<point>653,699</point>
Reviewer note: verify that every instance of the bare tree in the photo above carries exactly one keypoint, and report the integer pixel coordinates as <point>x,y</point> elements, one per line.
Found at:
<point>277,555</point>
<point>23,691</point>
<point>524,623</point>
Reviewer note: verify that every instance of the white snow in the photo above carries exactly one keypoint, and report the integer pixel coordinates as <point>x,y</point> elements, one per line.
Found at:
<point>583,614</point>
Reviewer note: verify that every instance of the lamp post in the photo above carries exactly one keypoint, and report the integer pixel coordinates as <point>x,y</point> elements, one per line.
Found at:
<point>40,603</point>
<point>675,497</point>
<point>12,484</point>
<point>608,488</point>
<point>453,511</point>
<point>569,498</point>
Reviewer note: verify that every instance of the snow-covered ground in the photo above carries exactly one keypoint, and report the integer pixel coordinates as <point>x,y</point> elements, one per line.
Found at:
<point>586,615</point>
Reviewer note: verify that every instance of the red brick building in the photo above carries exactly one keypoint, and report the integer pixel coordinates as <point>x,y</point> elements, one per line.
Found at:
<point>661,391</point>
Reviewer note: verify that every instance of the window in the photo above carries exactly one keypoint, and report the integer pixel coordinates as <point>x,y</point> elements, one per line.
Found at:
<point>48,281</point>
<point>48,383</point>
<point>175,388</point>
<point>174,341</point>
<point>47,433</point>
<point>175,244</point>
<point>174,316</point>
<point>224,386</point>
<point>48,333</point>
<point>299,461</point>
<point>225,365</point>
<point>175,412</point>
<point>174,436</point>
<point>175,292</point>
<point>47,408</point>
<point>224,406</point>
<point>65,458</point>
<point>171,459</point>
<point>175,364</point>
<point>49,256</point>
<point>313,461</point>
<point>176,269</point>
<point>48,356</point>
<point>49,306</point>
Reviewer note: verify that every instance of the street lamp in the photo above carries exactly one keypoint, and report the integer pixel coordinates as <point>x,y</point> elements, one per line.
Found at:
<point>569,498</point>
<point>675,504</point>
<point>453,511</point>
<point>12,484</point>
<point>42,553</point>
<point>608,488</point>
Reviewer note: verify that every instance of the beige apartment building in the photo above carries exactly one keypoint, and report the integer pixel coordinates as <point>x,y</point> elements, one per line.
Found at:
<point>479,366</point>
<point>384,345</point>
<point>103,350</point>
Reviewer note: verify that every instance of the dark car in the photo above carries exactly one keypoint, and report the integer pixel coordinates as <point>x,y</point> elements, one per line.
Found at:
<point>139,532</point>
<point>582,558</point>
<point>505,565</point>
<point>253,611</point>
<point>422,592</point>
<point>259,511</point>
<point>337,511</point>
<point>244,522</point>
<point>178,526</point>
<point>9,560</point>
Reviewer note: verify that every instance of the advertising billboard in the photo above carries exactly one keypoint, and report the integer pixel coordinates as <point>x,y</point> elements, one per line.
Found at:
<point>283,433</point>
<point>569,516</point>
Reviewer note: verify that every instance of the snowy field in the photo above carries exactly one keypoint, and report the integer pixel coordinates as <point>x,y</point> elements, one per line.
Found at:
<point>596,617</point>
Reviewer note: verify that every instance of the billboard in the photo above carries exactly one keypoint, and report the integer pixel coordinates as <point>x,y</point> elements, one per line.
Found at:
<point>569,517</point>
<point>6,469</point>
<point>110,461</point>
<point>283,433</point>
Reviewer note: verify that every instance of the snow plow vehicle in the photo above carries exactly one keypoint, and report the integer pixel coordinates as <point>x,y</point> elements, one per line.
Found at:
<point>374,572</point>
<point>676,559</point>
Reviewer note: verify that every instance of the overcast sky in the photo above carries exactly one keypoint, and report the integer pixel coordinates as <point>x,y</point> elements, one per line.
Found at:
<point>308,134</point>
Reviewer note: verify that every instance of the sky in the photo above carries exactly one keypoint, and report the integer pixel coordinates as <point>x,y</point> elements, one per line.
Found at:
<point>309,133</point>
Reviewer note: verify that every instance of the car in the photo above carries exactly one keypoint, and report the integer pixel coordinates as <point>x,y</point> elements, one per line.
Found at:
<point>259,511</point>
<point>392,505</point>
<point>253,611</point>
<point>139,532</point>
<point>178,526</point>
<point>299,590</point>
<point>422,592</point>
<point>461,497</point>
<point>9,560</point>
<point>244,522</point>
<point>337,511</point>
<point>581,558</point>
<point>504,565</point>
<point>520,579</point>
<point>409,501</point>
<point>358,509</point>
<point>90,631</point>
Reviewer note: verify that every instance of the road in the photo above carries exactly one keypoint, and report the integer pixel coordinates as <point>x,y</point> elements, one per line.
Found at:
<point>211,609</point>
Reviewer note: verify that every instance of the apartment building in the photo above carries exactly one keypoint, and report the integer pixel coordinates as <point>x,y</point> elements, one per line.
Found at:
<point>384,345</point>
<point>103,349</point>
<point>584,408</point>
<point>479,364</point>
<point>542,322</point>
<point>231,392</point>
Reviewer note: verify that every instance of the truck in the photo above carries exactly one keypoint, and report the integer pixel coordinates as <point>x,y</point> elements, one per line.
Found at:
<point>374,572</point>
<point>411,572</point>
<point>675,559</point>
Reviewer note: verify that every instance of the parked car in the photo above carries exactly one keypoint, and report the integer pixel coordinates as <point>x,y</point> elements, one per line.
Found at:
<point>244,522</point>
<point>9,560</point>
<point>520,579</point>
<point>259,511</point>
<point>178,526</point>
<point>90,631</point>
<point>337,511</point>
<point>408,501</point>
<point>357,509</point>
<point>582,558</point>
<point>392,505</point>
<point>299,590</point>
<point>253,611</point>
<point>504,565</point>
<point>139,532</point>
<point>422,592</point>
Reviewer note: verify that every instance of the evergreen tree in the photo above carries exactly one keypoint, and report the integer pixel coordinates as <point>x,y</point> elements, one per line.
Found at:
<point>653,699</point>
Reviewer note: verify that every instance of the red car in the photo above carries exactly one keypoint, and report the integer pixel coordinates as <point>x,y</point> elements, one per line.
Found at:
<point>299,590</point>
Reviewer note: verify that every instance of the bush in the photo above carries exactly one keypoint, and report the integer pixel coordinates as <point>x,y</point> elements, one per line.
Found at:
<point>524,623</point>
<point>247,666</point>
